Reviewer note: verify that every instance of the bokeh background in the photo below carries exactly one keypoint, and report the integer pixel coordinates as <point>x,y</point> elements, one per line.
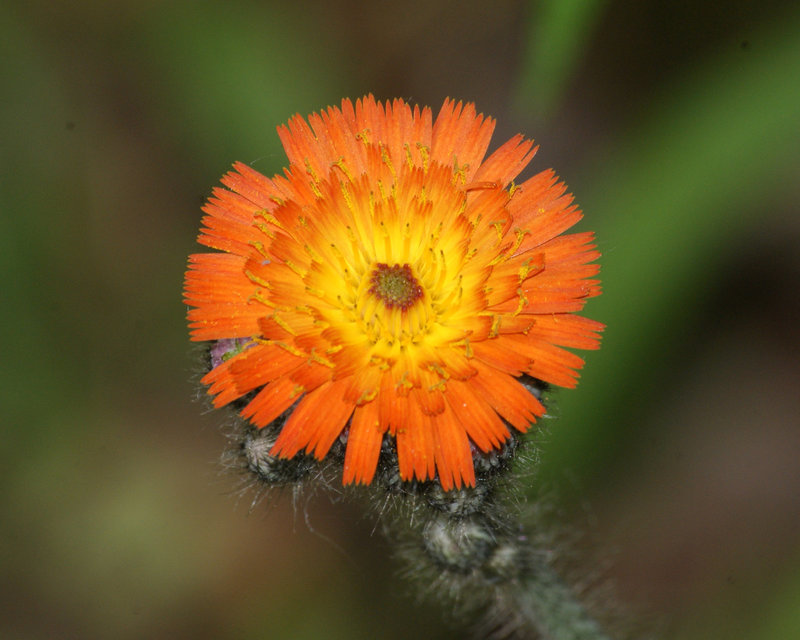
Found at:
<point>676,125</point>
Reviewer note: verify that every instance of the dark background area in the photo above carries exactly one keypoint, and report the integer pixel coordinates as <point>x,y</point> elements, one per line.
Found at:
<point>676,126</point>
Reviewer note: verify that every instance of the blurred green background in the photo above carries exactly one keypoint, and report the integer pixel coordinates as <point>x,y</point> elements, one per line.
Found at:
<point>676,125</point>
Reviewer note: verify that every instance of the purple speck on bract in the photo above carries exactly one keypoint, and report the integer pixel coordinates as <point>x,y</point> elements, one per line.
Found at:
<point>227,348</point>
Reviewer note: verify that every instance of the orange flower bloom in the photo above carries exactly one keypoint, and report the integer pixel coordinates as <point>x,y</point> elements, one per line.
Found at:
<point>393,283</point>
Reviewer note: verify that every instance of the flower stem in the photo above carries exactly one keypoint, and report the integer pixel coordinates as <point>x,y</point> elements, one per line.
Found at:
<point>550,606</point>
<point>467,545</point>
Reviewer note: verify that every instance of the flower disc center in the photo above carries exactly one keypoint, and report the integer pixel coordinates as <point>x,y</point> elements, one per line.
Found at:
<point>395,286</point>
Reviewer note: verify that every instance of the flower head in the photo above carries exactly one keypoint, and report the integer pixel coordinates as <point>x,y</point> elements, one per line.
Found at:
<point>392,284</point>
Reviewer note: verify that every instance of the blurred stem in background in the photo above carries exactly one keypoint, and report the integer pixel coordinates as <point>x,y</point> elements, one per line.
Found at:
<point>556,40</point>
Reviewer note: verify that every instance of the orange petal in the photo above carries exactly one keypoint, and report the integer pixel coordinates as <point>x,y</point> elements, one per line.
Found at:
<point>285,325</point>
<point>317,421</point>
<point>262,364</point>
<point>300,145</point>
<point>254,186</point>
<point>507,162</point>
<point>311,375</point>
<point>500,355</point>
<point>476,416</point>
<point>568,330</point>
<point>363,444</point>
<point>392,407</point>
<point>460,136</point>
<point>222,383</point>
<point>275,398</point>
<point>548,362</point>
<point>507,396</point>
<point>247,371</point>
<point>430,401</point>
<point>365,383</point>
<point>229,223</point>
<point>415,444</point>
<point>456,364</point>
<point>452,452</point>
<point>222,298</point>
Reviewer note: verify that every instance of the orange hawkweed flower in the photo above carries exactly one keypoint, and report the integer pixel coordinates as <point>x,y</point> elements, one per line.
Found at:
<point>393,283</point>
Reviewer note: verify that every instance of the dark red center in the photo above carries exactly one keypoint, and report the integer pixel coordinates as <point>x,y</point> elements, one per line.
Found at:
<point>395,286</point>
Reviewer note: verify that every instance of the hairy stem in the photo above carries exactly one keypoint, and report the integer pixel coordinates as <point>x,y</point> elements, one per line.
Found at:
<point>550,606</point>
<point>469,547</point>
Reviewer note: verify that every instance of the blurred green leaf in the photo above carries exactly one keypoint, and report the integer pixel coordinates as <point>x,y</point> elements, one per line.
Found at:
<point>558,32</point>
<point>37,188</point>
<point>781,616</point>
<point>224,79</point>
